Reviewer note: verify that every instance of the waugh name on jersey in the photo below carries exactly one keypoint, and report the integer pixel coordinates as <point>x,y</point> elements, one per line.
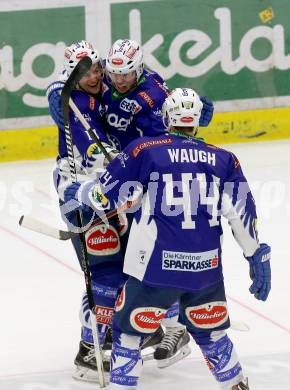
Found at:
<point>191,156</point>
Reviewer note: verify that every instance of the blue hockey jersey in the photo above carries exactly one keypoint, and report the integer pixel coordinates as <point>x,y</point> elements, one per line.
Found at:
<point>91,109</point>
<point>175,239</point>
<point>136,113</point>
<point>87,159</point>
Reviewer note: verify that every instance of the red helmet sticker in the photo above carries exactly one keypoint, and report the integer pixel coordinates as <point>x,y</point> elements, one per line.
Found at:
<point>104,314</point>
<point>82,54</point>
<point>147,319</point>
<point>130,52</point>
<point>186,119</point>
<point>208,315</point>
<point>120,302</point>
<point>117,61</point>
<point>102,240</point>
<point>68,53</point>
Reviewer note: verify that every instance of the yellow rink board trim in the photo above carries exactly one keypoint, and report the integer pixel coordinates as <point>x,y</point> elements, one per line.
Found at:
<point>248,126</point>
<point>227,127</point>
<point>28,144</point>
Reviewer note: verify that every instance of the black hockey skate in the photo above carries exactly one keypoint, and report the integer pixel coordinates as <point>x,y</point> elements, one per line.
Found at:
<point>173,347</point>
<point>151,342</point>
<point>86,366</point>
<point>243,385</point>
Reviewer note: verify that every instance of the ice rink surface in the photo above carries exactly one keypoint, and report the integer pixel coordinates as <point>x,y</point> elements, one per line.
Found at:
<point>41,286</point>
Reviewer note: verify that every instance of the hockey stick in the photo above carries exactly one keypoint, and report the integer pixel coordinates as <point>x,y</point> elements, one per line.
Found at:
<point>81,68</point>
<point>240,326</point>
<point>90,130</point>
<point>86,125</point>
<point>38,226</point>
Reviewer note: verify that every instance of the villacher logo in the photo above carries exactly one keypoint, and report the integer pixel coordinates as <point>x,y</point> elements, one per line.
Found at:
<point>147,319</point>
<point>209,315</point>
<point>102,240</point>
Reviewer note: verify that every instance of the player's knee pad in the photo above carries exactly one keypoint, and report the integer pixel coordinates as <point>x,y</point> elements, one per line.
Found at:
<point>126,363</point>
<point>104,298</point>
<point>220,357</point>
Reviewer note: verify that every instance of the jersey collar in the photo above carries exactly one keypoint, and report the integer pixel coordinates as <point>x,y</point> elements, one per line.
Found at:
<point>187,136</point>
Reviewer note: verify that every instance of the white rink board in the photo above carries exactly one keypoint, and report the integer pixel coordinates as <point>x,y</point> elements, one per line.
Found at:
<point>41,286</point>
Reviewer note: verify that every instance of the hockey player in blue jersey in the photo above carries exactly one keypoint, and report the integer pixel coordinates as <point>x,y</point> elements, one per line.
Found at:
<point>104,242</point>
<point>133,96</point>
<point>174,248</point>
<point>132,99</point>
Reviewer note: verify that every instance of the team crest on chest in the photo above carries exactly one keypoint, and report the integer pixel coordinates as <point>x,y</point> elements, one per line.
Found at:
<point>130,106</point>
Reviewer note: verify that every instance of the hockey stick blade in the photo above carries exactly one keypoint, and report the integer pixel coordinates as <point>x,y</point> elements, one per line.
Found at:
<point>42,228</point>
<point>239,326</point>
<point>37,226</point>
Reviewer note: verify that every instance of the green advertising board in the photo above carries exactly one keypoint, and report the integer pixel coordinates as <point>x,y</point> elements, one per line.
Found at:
<point>226,49</point>
<point>235,52</point>
<point>30,55</point>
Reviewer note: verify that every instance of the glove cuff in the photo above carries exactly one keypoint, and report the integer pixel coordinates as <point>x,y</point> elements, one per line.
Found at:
<point>262,254</point>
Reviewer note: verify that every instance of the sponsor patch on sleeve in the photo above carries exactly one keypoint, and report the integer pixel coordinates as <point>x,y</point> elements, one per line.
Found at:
<point>147,98</point>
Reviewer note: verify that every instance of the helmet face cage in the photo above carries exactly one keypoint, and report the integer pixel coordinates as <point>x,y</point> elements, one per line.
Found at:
<point>182,108</point>
<point>74,53</point>
<point>125,56</point>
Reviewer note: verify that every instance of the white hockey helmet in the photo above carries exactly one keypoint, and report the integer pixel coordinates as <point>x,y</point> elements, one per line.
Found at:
<point>124,57</point>
<point>182,108</point>
<point>75,52</point>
